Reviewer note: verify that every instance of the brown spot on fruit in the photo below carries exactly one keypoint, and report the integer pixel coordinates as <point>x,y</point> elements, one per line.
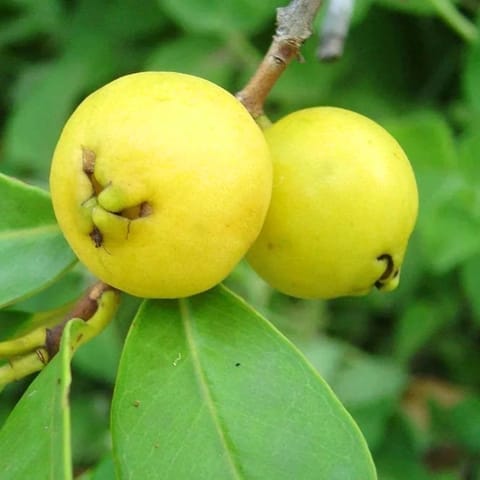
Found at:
<point>97,237</point>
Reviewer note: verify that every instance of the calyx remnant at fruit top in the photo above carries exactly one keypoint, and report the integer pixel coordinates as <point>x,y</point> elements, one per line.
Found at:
<point>92,202</point>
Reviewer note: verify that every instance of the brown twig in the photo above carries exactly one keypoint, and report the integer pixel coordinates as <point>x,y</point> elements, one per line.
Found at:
<point>84,309</point>
<point>294,26</point>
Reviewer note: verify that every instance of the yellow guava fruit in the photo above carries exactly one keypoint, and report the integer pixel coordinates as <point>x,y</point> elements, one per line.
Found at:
<point>160,182</point>
<point>344,204</point>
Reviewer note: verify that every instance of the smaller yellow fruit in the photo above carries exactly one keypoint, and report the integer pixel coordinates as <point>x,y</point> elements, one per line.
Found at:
<point>343,206</point>
<point>160,182</point>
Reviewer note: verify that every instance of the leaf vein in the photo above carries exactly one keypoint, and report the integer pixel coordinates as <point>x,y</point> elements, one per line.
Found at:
<point>200,374</point>
<point>27,232</point>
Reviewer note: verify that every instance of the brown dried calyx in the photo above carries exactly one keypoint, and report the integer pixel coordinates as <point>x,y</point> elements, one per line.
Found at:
<point>389,272</point>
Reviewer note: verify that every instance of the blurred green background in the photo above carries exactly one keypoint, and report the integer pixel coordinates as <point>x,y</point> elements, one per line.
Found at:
<point>406,364</point>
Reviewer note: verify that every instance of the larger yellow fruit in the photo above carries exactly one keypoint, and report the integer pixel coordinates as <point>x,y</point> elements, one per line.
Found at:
<point>161,182</point>
<point>344,204</point>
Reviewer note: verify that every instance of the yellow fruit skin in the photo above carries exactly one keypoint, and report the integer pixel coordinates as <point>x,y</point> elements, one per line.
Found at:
<point>344,194</point>
<point>188,150</point>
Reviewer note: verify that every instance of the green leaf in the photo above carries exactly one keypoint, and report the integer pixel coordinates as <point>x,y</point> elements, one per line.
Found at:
<point>11,322</point>
<point>464,422</point>
<point>426,138</point>
<point>197,55</point>
<point>221,16</point>
<point>357,383</point>
<point>471,76</point>
<point>468,147</point>
<point>35,439</point>
<point>419,322</point>
<point>208,376</point>
<point>59,294</point>
<point>416,7</point>
<point>460,24</point>
<point>46,97</point>
<point>470,278</point>
<point>33,252</point>
<point>33,18</point>
<point>46,93</point>
<point>450,234</point>
<point>448,224</point>
<point>354,376</point>
<point>444,9</point>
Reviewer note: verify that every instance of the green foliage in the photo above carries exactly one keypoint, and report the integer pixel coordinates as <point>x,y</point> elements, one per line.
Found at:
<point>414,66</point>
<point>33,251</point>
<point>232,387</point>
<point>35,439</point>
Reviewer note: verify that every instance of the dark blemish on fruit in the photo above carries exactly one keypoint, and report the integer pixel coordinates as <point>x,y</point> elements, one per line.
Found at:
<point>136,403</point>
<point>237,364</point>
<point>388,270</point>
<point>270,245</point>
<point>97,237</point>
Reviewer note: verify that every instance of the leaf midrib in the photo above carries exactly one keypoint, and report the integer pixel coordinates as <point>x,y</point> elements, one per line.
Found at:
<point>204,389</point>
<point>29,231</point>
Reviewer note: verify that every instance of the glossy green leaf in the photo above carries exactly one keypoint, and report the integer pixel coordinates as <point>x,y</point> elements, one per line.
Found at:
<point>221,16</point>
<point>354,376</point>
<point>35,439</point>
<point>209,389</point>
<point>64,291</point>
<point>33,251</point>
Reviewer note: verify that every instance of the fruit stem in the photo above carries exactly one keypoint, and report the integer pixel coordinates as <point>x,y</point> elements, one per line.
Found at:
<point>263,121</point>
<point>23,344</point>
<point>30,353</point>
<point>20,367</point>
<point>86,308</point>
<point>294,26</point>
